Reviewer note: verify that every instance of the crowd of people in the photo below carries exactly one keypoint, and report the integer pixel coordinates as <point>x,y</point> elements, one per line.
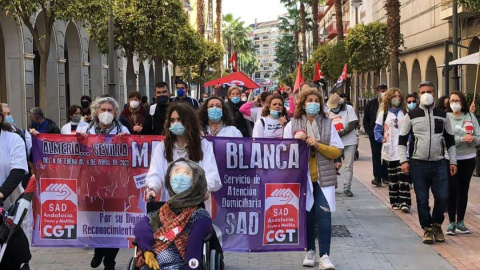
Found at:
<point>413,142</point>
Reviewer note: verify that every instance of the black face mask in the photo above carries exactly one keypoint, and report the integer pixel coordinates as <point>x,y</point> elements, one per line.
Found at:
<point>85,104</point>
<point>162,99</point>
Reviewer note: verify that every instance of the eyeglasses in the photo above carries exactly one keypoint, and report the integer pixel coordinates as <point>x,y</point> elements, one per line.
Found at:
<point>454,101</point>
<point>408,102</point>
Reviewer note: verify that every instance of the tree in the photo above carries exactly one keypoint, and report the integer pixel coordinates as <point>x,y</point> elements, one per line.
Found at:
<point>315,24</point>
<point>284,56</point>
<point>23,11</point>
<point>339,19</point>
<point>201,17</point>
<point>303,23</point>
<point>471,5</point>
<point>213,53</point>
<point>249,63</point>
<point>367,46</point>
<point>291,24</point>
<point>394,38</point>
<point>218,23</point>
<point>235,35</point>
<point>331,57</point>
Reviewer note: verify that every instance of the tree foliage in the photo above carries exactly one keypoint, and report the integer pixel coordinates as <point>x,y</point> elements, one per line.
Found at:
<point>367,46</point>
<point>331,57</point>
<point>471,5</point>
<point>392,8</point>
<point>284,56</point>
<point>235,35</point>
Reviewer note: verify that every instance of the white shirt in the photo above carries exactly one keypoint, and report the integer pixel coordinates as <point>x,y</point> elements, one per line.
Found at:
<point>228,131</point>
<point>67,128</point>
<point>159,164</point>
<point>83,129</point>
<point>390,133</point>
<point>328,192</point>
<point>341,120</point>
<point>271,129</point>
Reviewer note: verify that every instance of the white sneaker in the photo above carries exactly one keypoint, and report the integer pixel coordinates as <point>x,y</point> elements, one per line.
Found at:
<point>309,259</point>
<point>325,263</point>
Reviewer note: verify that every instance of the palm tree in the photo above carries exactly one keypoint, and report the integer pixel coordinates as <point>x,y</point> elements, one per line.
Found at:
<point>218,33</point>
<point>291,24</point>
<point>201,17</point>
<point>339,19</point>
<point>315,24</point>
<point>235,35</point>
<point>303,23</point>
<point>392,8</point>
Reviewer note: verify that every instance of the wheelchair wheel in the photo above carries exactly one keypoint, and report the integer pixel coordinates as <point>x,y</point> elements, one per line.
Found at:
<point>219,260</point>
<point>213,261</point>
<point>132,264</point>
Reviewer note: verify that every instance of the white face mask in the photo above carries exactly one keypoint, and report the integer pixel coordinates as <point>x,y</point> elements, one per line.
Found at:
<point>244,98</point>
<point>456,107</point>
<point>426,99</point>
<point>134,104</point>
<point>105,118</point>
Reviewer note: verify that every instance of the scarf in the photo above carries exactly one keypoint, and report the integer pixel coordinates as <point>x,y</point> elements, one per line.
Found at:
<point>134,114</point>
<point>394,110</point>
<point>99,130</point>
<point>215,131</point>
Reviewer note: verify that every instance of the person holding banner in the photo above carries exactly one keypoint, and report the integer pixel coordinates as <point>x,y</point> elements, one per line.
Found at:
<point>181,223</point>
<point>217,119</point>
<point>105,113</point>
<point>312,125</point>
<point>273,120</point>
<point>182,140</point>
<point>74,115</point>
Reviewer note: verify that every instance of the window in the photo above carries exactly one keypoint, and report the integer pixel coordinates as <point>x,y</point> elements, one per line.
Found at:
<point>266,75</point>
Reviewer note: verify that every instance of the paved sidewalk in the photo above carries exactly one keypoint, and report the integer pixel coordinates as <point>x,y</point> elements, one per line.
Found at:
<point>462,251</point>
<point>379,240</point>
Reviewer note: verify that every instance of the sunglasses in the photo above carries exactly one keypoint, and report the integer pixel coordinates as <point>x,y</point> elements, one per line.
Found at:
<point>408,102</point>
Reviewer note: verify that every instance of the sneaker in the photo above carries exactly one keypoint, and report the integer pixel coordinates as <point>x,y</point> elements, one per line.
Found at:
<point>325,263</point>
<point>460,228</point>
<point>348,193</point>
<point>451,228</point>
<point>438,233</point>
<point>309,259</point>
<point>396,207</point>
<point>428,236</point>
<point>377,183</point>
<point>405,208</point>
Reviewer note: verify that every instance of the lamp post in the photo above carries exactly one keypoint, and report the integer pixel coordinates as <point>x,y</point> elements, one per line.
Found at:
<point>356,4</point>
<point>111,56</point>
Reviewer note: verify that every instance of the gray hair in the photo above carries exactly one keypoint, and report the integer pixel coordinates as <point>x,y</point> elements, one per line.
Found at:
<point>99,101</point>
<point>5,105</point>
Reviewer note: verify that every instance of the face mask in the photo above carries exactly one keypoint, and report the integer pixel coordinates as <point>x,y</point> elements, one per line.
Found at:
<point>312,108</point>
<point>162,99</point>
<point>76,118</point>
<point>235,100</point>
<point>412,105</point>
<point>275,114</point>
<point>34,124</point>
<point>426,99</point>
<point>336,110</point>
<point>396,102</point>
<point>134,104</point>
<point>180,92</point>
<point>9,119</point>
<point>85,104</point>
<point>244,98</point>
<point>105,118</point>
<point>215,114</point>
<point>180,183</point>
<point>455,107</point>
<point>177,129</point>
<point>382,94</point>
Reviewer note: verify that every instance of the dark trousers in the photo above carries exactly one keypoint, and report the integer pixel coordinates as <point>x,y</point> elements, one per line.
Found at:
<point>108,254</point>
<point>434,175</point>
<point>379,171</point>
<point>458,190</point>
<point>398,187</point>
<point>321,211</point>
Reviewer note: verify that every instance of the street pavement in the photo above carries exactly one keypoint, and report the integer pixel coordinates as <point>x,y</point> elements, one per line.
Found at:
<point>367,235</point>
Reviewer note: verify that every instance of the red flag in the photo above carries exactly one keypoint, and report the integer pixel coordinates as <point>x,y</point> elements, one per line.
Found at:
<point>341,80</point>
<point>299,80</point>
<point>318,73</point>
<point>233,60</point>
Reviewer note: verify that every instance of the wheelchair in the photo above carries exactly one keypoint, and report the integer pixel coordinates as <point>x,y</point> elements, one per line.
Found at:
<point>212,254</point>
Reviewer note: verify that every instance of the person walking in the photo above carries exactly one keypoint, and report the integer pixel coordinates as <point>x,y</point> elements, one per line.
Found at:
<point>155,116</point>
<point>182,95</point>
<point>428,167</point>
<point>467,136</point>
<point>312,125</point>
<point>369,118</point>
<point>273,120</point>
<point>389,121</point>
<point>217,119</point>
<point>234,102</point>
<point>345,121</point>
<point>135,112</point>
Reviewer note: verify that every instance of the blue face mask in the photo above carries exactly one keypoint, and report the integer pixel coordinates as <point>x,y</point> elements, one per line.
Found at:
<point>275,114</point>
<point>312,108</point>
<point>9,119</point>
<point>336,110</point>
<point>235,100</point>
<point>177,129</point>
<point>215,114</point>
<point>180,183</point>
<point>180,92</point>
<point>34,124</point>
<point>412,105</point>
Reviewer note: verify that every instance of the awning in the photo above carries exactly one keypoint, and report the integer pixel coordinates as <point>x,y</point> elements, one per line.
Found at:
<point>471,59</point>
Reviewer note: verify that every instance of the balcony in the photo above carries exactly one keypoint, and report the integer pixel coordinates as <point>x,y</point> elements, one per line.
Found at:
<point>332,29</point>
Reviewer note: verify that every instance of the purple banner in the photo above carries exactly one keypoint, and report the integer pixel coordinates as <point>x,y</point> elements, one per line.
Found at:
<point>261,206</point>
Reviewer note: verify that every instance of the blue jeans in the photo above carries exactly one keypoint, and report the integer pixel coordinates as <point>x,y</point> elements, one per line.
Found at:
<point>379,171</point>
<point>321,210</point>
<point>434,175</point>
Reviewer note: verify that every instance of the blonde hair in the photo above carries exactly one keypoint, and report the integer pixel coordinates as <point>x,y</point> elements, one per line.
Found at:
<point>233,88</point>
<point>387,100</point>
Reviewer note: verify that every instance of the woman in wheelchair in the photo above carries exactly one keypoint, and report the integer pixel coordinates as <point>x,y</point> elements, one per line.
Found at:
<point>172,237</point>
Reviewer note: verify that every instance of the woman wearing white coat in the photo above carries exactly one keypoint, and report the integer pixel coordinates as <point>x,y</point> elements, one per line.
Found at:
<point>217,119</point>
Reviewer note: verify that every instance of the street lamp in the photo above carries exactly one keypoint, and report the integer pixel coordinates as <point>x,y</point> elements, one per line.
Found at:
<point>356,4</point>
<point>111,56</point>
<point>324,34</point>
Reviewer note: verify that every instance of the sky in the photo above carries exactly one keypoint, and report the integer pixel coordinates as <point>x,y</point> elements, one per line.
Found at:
<point>248,10</point>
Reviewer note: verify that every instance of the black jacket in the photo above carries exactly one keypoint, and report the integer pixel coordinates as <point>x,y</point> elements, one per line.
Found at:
<point>52,127</point>
<point>240,121</point>
<point>370,116</point>
<point>153,125</point>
